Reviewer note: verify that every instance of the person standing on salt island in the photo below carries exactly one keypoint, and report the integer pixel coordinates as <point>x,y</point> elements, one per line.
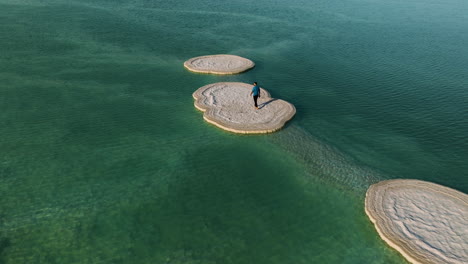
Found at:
<point>256,93</point>
<point>225,105</point>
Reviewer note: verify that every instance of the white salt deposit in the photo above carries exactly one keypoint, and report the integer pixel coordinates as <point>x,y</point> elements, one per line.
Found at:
<point>230,106</point>
<point>219,64</point>
<point>425,222</point>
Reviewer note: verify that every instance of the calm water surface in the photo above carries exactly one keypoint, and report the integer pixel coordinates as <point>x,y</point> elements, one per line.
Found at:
<point>104,159</point>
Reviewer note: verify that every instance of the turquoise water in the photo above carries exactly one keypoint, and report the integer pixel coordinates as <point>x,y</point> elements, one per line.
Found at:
<point>104,159</point>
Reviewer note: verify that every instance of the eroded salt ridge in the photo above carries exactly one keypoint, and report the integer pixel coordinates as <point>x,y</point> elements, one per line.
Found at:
<point>230,106</point>
<point>219,64</point>
<point>425,222</point>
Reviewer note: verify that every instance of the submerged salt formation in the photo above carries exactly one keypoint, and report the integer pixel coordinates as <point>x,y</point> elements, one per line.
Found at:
<point>425,222</point>
<point>229,106</point>
<point>219,64</point>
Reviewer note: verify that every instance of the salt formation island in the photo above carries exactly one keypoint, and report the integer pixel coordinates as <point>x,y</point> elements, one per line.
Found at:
<point>219,64</point>
<point>425,222</point>
<point>230,106</point>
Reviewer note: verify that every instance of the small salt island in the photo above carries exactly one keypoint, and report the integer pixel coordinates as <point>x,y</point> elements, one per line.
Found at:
<point>229,106</point>
<point>219,64</point>
<point>425,222</point>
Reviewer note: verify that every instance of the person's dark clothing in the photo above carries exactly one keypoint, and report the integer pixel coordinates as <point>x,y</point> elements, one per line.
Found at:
<point>255,100</point>
<point>256,94</point>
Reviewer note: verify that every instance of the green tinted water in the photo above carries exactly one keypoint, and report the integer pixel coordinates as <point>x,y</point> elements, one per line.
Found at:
<point>104,159</point>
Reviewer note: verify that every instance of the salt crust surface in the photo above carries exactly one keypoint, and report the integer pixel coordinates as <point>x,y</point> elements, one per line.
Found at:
<point>219,64</point>
<point>425,222</point>
<point>230,106</point>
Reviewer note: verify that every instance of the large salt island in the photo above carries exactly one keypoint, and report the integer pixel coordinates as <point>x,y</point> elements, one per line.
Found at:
<point>425,222</point>
<point>219,64</point>
<point>229,106</point>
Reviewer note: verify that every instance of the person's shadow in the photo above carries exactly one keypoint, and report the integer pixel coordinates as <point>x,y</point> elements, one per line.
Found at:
<point>260,106</point>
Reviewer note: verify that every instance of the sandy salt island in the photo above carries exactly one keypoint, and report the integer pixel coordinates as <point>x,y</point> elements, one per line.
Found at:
<point>229,106</point>
<point>219,64</point>
<point>425,222</point>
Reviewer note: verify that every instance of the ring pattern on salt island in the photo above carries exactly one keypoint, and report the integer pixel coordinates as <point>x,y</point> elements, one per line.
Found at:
<point>426,222</point>
<point>219,64</point>
<point>230,106</point>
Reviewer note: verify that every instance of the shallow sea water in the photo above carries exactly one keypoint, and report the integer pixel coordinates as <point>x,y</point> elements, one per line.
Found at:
<point>104,159</point>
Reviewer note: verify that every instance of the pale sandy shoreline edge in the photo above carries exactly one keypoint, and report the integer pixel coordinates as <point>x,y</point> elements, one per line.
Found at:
<point>248,65</point>
<point>388,240</point>
<point>390,193</point>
